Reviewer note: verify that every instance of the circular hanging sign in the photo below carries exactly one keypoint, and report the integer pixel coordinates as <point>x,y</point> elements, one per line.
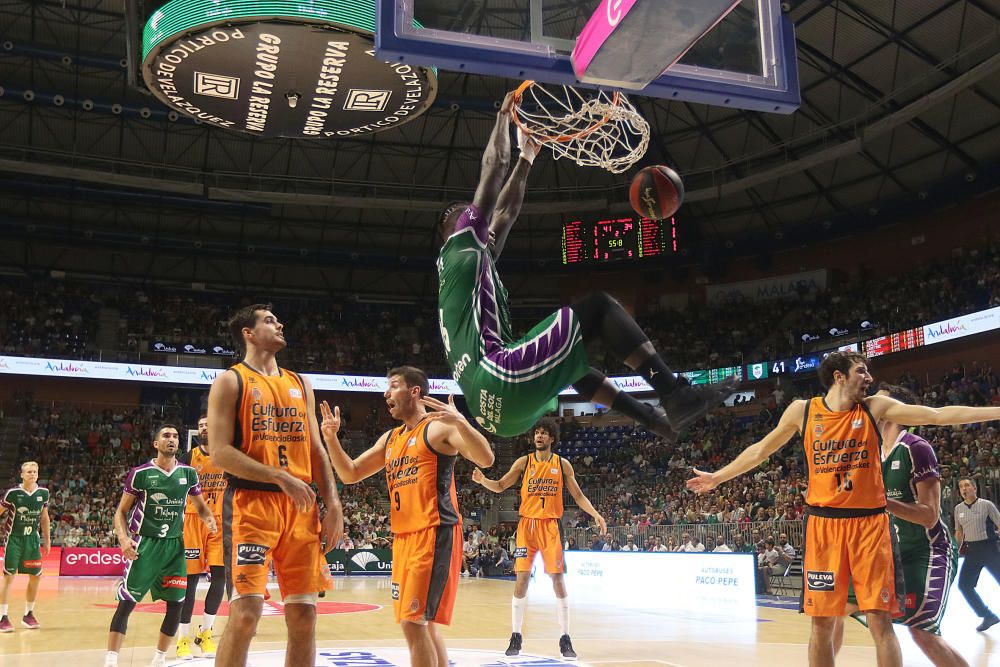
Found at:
<point>280,69</point>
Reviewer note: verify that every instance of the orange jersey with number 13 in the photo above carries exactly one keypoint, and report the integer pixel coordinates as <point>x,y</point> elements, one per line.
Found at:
<point>843,457</point>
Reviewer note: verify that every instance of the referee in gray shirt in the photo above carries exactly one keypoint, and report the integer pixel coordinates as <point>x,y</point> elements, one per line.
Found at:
<point>976,524</point>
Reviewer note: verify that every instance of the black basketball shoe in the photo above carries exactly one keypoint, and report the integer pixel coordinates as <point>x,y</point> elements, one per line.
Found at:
<point>687,404</point>
<point>566,648</point>
<point>514,648</point>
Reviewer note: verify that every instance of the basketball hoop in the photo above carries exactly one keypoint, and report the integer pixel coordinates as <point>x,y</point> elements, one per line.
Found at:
<point>598,130</point>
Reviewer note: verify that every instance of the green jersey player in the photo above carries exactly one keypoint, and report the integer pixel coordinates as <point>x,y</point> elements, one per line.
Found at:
<point>928,555</point>
<point>509,383</point>
<point>24,531</point>
<point>149,523</point>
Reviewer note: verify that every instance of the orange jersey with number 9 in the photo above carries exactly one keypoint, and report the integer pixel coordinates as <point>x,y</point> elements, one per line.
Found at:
<point>272,420</point>
<point>843,457</point>
<point>421,482</point>
<point>542,488</point>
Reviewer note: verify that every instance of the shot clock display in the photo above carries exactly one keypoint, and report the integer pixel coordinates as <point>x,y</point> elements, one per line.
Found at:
<point>627,238</point>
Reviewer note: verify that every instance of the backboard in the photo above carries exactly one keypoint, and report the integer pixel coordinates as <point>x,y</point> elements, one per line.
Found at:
<point>747,60</point>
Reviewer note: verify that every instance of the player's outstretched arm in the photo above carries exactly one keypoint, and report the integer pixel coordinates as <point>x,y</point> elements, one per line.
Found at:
<point>496,160</point>
<point>322,474</point>
<point>755,454</point>
<point>581,500</point>
<point>512,195</point>
<point>351,471</point>
<point>888,408</point>
<point>45,524</point>
<point>505,482</point>
<point>459,434</point>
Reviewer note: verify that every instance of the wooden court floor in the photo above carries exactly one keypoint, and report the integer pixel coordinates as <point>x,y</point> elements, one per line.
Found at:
<point>356,628</point>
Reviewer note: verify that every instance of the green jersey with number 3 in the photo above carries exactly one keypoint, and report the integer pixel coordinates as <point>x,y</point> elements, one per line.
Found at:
<point>24,510</point>
<point>160,497</point>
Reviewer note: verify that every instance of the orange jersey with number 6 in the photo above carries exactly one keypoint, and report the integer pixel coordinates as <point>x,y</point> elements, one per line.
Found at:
<point>421,482</point>
<point>272,420</point>
<point>843,457</point>
<point>542,488</point>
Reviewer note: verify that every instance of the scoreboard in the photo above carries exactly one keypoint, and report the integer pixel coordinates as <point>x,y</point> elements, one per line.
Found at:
<point>627,238</point>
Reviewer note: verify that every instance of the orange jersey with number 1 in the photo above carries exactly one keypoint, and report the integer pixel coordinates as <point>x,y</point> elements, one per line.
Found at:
<point>542,488</point>
<point>843,457</point>
<point>421,482</point>
<point>272,420</point>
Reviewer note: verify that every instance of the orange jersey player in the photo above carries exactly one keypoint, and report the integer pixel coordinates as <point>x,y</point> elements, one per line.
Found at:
<point>202,549</point>
<point>264,435</point>
<point>543,476</point>
<point>419,462</point>
<point>848,537</point>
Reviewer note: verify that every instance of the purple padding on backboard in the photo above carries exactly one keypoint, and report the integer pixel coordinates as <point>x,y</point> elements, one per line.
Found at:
<point>630,43</point>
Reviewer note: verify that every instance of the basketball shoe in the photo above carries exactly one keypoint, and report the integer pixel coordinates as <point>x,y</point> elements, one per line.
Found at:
<point>29,621</point>
<point>514,648</point>
<point>184,649</point>
<point>6,625</point>
<point>566,648</point>
<point>688,403</point>
<point>203,640</point>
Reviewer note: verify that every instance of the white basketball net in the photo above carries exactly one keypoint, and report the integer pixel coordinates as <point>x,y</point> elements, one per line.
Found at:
<point>599,130</point>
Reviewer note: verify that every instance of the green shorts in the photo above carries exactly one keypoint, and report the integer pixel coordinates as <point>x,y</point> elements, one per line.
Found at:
<point>159,570</point>
<point>23,554</point>
<point>513,385</point>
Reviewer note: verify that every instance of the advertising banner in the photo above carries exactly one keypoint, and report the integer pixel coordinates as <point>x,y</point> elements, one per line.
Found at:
<point>966,325</point>
<point>776,287</point>
<point>91,562</point>
<point>360,561</point>
<point>707,584</point>
<point>191,347</point>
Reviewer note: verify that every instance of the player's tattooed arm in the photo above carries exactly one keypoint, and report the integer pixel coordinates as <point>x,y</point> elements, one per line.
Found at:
<point>505,482</point>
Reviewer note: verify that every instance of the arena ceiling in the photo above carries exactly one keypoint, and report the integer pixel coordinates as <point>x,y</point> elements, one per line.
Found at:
<point>900,112</point>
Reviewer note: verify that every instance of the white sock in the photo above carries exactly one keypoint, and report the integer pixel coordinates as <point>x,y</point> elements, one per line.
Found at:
<point>517,606</point>
<point>29,607</point>
<point>3,610</point>
<point>207,621</point>
<point>111,658</point>
<point>562,611</point>
<point>182,630</point>
<point>160,656</point>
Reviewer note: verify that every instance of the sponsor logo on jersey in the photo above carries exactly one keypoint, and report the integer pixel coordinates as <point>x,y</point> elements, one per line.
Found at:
<point>256,395</point>
<point>175,582</point>
<point>857,422</point>
<point>294,393</point>
<point>192,554</point>
<point>820,581</point>
<point>395,591</point>
<point>884,595</point>
<point>911,601</point>
<point>158,498</point>
<point>554,471</point>
<point>32,563</point>
<point>895,465</point>
<point>182,480</point>
<point>520,552</point>
<point>250,554</point>
<point>818,430</point>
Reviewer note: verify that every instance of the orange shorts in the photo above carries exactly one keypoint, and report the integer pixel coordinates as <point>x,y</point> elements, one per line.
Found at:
<point>426,565</point>
<point>259,527</point>
<point>840,551</point>
<point>539,535</point>
<point>202,549</point>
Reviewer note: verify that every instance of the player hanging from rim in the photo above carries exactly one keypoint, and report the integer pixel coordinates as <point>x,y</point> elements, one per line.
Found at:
<point>28,507</point>
<point>202,549</point>
<point>926,550</point>
<point>419,462</point>
<point>543,476</point>
<point>508,384</point>
<point>149,523</point>
<point>848,537</point>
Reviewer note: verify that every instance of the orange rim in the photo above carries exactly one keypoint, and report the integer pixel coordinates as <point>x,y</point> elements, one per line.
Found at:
<point>560,138</point>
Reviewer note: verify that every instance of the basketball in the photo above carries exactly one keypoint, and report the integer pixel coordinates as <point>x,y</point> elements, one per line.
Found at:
<point>656,192</point>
